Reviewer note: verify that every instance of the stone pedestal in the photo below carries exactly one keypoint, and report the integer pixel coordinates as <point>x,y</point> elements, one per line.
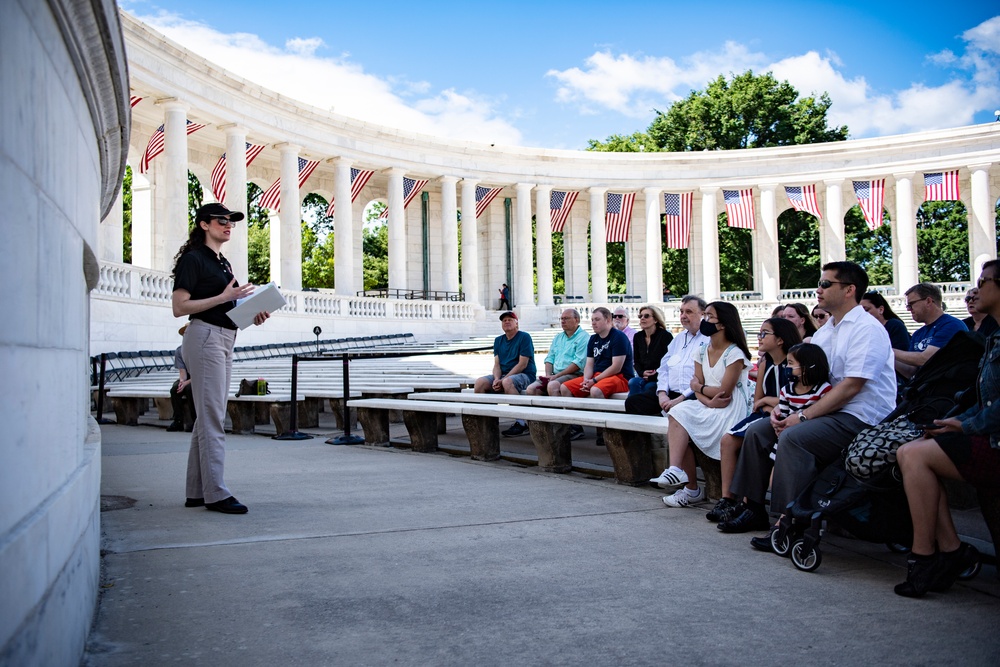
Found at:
<point>337,408</point>
<point>375,424</point>
<point>307,417</point>
<point>484,437</point>
<point>712,470</point>
<point>553,446</point>
<point>631,456</point>
<point>423,430</point>
<point>243,416</point>
<point>164,408</point>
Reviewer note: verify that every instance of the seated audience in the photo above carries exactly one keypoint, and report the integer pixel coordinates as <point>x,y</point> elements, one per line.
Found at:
<point>820,316</point>
<point>723,398</point>
<point>978,322</point>
<point>776,336</point>
<point>609,361</point>
<point>513,360</point>
<point>621,322</point>
<point>648,347</point>
<point>965,447</point>
<point>876,306</point>
<point>798,314</point>
<point>673,377</point>
<point>923,300</point>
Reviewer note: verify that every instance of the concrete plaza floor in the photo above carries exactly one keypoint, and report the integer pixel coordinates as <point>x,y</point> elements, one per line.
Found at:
<point>352,555</point>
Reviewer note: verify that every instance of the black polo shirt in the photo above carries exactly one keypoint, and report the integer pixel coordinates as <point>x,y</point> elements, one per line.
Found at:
<point>204,274</point>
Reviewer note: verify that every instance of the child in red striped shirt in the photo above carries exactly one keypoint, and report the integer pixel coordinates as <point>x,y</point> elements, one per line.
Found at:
<point>809,382</point>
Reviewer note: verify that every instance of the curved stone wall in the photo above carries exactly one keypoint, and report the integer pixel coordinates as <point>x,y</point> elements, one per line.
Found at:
<point>62,153</point>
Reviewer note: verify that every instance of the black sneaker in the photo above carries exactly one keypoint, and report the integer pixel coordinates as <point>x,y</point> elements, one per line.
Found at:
<point>175,427</point>
<point>516,429</point>
<point>723,510</point>
<point>576,433</point>
<point>921,574</point>
<point>955,563</point>
<point>745,521</point>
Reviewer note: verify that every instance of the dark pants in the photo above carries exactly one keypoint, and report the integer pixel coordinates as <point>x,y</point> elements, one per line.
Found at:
<point>646,403</point>
<point>183,405</point>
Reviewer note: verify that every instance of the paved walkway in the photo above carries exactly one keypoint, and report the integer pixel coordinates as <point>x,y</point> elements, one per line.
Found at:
<point>364,556</point>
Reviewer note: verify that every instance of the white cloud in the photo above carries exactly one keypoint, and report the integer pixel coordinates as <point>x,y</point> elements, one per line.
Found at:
<point>631,85</point>
<point>337,83</point>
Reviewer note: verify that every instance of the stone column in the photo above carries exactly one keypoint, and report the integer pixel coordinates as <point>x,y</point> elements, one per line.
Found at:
<point>171,229</point>
<point>831,239</point>
<point>290,227</point>
<point>524,261</point>
<point>470,241</point>
<point>543,244</point>
<point>142,221</point>
<point>904,235</point>
<point>654,245</point>
<point>343,229</point>
<point>767,276</point>
<point>235,199</point>
<point>598,246</point>
<point>711,286</point>
<point>110,242</point>
<point>397,230</point>
<point>982,232</point>
<point>449,234</point>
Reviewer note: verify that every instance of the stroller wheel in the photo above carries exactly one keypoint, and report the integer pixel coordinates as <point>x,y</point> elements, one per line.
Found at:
<point>781,542</point>
<point>805,561</point>
<point>897,548</point>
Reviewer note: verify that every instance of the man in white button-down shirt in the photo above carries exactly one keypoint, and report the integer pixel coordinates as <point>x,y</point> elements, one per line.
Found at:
<point>864,391</point>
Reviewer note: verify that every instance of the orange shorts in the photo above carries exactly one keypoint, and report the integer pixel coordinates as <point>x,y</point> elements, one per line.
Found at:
<point>616,384</point>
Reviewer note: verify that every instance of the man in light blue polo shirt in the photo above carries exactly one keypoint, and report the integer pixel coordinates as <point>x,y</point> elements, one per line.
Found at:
<point>565,361</point>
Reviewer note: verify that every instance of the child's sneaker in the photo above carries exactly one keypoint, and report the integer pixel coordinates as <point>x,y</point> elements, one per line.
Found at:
<point>684,497</point>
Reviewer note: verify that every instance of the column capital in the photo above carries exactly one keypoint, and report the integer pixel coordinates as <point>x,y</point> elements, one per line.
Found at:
<point>596,190</point>
<point>708,189</point>
<point>767,187</point>
<point>338,161</point>
<point>448,179</point>
<point>233,128</point>
<point>904,175</point>
<point>393,171</point>
<point>983,166</point>
<point>651,191</point>
<point>286,147</point>
<point>172,104</point>
<point>524,186</point>
<point>834,181</point>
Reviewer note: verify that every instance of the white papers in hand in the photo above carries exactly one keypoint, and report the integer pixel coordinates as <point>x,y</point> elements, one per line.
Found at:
<point>266,298</point>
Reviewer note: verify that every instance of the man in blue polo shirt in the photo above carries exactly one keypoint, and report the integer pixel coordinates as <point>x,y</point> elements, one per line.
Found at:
<point>513,360</point>
<point>923,300</point>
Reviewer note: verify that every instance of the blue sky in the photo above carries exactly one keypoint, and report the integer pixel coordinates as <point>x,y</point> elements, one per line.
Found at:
<point>555,74</point>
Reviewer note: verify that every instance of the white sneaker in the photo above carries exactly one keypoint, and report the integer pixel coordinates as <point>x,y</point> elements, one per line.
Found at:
<point>669,478</point>
<point>684,497</point>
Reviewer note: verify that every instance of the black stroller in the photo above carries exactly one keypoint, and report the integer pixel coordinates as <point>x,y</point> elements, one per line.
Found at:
<point>875,509</point>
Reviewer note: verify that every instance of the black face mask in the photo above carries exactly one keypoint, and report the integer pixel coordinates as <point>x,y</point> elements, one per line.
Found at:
<point>708,328</point>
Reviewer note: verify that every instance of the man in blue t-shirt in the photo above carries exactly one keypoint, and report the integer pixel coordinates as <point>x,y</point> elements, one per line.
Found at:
<point>513,360</point>
<point>609,361</point>
<point>923,300</point>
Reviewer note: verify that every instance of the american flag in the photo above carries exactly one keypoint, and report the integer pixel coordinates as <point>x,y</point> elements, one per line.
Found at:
<point>411,188</point>
<point>133,100</point>
<point>271,199</point>
<point>678,209</point>
<point>359,179</point>
<point>870,195</point>
<point>484,197</point>
<point>941,186</point>
<point>156,145</point>
<point>803,198</point>
<point>618,217</point>
<point>560,204</point>
<point>219,173</point>
<point>739,208</point>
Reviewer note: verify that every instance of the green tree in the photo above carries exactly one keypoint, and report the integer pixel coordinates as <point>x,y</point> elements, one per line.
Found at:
<point>317,243</point>
<point>196,196</point>
<point>799,234</point>
<point>258,238</point>
<point>743,111</point>
<point>943,241</point>
<point>872,250</point>
<point>127,216</point>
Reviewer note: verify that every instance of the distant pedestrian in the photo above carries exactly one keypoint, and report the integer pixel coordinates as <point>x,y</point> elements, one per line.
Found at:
<point>504,297</point>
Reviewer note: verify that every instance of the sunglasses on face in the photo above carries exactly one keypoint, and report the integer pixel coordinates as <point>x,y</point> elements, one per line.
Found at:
<point>621,317</point>
<point>224,222</point>
<point>827,284</point>
<point>983,281</point>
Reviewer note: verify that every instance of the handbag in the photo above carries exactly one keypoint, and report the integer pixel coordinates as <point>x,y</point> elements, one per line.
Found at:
<point>256,387</point>
<point>873,450</point>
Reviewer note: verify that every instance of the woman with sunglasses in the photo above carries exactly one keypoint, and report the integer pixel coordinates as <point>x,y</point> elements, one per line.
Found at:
<point>876,306</point>
<point>648,347</point>
<point>205,290</point>
<point>723,398</point>
<point>820,315</point>
<point>981,323</point>
<point>965,447</point>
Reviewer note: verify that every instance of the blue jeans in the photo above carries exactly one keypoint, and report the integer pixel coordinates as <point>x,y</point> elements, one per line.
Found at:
<point>639,385</point>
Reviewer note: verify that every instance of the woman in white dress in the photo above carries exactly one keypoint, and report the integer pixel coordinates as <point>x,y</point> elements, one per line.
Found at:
<point>723,394</point>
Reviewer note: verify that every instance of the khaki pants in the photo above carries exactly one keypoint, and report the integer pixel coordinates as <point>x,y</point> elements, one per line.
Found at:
<point>208,354</point>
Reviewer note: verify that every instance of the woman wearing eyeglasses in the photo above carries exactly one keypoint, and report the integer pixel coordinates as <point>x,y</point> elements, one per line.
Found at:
<point>648,347</point>
<point>820,315</point>
<point>205,290</point>
<point>981,323</point>
<point>964,447</point>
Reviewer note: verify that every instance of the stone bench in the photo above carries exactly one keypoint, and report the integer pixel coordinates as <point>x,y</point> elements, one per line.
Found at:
<point>246,412</point>
<point>627,437</point>
<point>129,403</point>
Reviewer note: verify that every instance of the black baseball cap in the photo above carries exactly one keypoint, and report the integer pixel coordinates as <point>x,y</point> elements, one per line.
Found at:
<point>216,210</point>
